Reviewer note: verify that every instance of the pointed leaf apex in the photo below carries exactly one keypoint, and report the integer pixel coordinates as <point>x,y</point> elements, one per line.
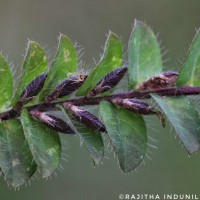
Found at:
<point>2,56</point>
<point>111,34</point>
<point>137,22</point>
<point>32,43</point>
<point>63,37</point>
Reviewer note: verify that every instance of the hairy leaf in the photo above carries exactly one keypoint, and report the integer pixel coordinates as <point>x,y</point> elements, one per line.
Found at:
<point>44,144</point>
<point>64,64</point>
<point>111,59</point>
<point>181,113</point>
<point>90,138</point>
<point>127,132</point>
<point>16,161</point>
<point>144,55</point>
<point>6,84</point>
<point>35,64</point>
<point>190,72</point>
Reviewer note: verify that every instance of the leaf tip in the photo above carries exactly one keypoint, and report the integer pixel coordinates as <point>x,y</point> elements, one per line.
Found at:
<point>61,36</point>
<point>112,35</point>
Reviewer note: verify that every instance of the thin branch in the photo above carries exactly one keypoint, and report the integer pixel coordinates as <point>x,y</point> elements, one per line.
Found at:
<point>83,101</point>
<point>135,94</point>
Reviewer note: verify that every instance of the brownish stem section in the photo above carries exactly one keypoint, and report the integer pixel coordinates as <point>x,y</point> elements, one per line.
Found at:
<point>83,101</point>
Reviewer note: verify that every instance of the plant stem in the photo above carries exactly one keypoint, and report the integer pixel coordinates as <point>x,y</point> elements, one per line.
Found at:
<point>135,94</point>
<point>83,101</point>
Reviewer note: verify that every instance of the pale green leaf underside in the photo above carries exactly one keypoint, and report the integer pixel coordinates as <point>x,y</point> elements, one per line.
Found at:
<point>64,64</point>
<point>111,59</point>
<point>181,113</point>
<point>144,55</point>
<point>44,144</point>
<point>16,161</point>
<point>35,64</point>
<point>90,138</point>
<point>127,132</point>
<point>190,72</point>
<point>6,84</point>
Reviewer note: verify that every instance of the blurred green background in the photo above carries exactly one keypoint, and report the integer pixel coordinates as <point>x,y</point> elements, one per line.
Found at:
<point>170,169</point>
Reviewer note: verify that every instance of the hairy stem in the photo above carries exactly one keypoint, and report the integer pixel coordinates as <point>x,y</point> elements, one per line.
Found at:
<point>136,94</point>
<point>83,101</point>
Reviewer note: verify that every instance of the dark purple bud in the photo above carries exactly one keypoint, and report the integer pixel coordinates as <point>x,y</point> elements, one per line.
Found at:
<point>160,81</point>
<point>86,118</point>
<point>31,91</point>
<point>34,87</point>
<point>139,107</point>
<point>52,122</point>
<point>66,87</point>
<point>10,114</point>
<point>134,105</point>
<point>108,82</point>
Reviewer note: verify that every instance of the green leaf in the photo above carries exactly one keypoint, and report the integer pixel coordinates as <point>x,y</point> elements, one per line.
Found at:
<point>35,64</point>
<point>16,161</point>
<point>90,138</point>
<point>190,72</point>
<point>111,59</point>
<point>144,55</point>
<point>6,84</point>
<point>127,132</point>
<point>64,64</point>
<point>181,113</point>
<point>44,144</point>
